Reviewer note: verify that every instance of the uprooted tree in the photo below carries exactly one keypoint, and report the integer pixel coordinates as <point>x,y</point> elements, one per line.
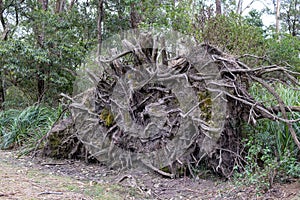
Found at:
<point>164,106</point>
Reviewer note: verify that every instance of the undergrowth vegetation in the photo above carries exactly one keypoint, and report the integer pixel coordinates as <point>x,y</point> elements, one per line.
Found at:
<point>271,153</point>
<point>23,128</point>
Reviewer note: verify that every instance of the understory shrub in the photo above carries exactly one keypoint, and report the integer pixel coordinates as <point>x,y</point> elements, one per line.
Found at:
<point>23,128</point>
<point>271,153</point>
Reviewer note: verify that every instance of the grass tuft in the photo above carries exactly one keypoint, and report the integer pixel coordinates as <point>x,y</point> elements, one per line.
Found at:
<point>23,128</point>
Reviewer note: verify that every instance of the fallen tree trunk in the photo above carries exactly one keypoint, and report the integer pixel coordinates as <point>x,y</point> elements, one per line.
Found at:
<point>162,110</point>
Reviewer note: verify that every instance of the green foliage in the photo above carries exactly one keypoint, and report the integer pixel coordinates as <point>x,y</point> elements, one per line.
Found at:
<point>271,151</point>
<point>290,15</point>
<point>26,127</point>
<point>234,34</point>
<point>283,142</point>
<point>261,165</point>
<point>289,95</point>
<point>167,14</point>
<point>285,50</point>
<point>49,45</point>
<point>16,98</point>
<point>264,164</point>
<point>254,18</point>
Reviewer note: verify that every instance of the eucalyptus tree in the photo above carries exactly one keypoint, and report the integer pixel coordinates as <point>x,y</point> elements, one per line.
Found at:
<point>290,16</point>
<point>46,43</point>
<point>9,19</point>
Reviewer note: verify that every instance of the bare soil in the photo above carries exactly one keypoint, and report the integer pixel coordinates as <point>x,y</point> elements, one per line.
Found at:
<point>44,178</point>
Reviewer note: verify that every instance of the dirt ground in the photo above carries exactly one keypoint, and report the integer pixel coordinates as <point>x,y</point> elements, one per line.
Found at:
<point>44,178</point>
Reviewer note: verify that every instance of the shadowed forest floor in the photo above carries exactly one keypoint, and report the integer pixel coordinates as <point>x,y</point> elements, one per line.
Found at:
<point>45,178</point>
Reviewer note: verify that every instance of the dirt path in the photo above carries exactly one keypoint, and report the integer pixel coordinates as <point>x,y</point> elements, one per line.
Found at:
<point>45,178</point>
<point>25,180</point>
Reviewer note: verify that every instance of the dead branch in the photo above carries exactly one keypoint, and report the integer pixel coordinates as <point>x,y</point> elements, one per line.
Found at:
<point>51,192</point>
<point>276,109</point>
<point>281,106</point>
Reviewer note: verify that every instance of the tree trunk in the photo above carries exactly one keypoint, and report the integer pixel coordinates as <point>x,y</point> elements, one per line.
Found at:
<point>41,68</point>
<point>60,4</point>
<point>99,28</point>
<point>2,73</point>
<point>295,28</point>
<point>218,7</point>
<point>277,16</point>
<point>71,4</point>
<point>2,90</point>
<point>239,7</point>
<point>293,18</point>
<point>135,18</point>
<point>1,15</point>
<point>120,17</point>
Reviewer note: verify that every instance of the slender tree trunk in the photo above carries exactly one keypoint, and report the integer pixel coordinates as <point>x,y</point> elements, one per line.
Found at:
<point>293,20</point>
<point>277,16</point>
<point>41,68</point>
<point>135,18</point>
<point>239,7</point>
<point>218,7</point>
<point>2,72</point>
<point>1,15</point>
<point>2,90</point>
<point>72,4</point>
<point>99,28</point>
<point>60,5</point>
<point>120,16</point>
<point>248,5</point>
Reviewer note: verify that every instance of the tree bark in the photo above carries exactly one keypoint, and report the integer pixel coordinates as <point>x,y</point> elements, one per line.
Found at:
<point>40,68</point>
<point>218,7</point>
<point>1,15</point>
<point>293,18</point>
<point>2,74</point>
<point>60,4</point>
<point>239,7</point>
<point>295,29</point>
<point>72,4</point>
<point>277,16</point>
<point>2,90</point>
<point>135,18</point>
<point>99,28</point>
